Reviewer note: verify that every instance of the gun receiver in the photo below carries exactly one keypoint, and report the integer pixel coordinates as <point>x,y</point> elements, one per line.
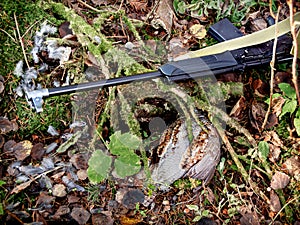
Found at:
<point>228,61</point>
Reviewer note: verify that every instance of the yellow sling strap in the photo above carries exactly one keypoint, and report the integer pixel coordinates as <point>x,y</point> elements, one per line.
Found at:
<point>256,38</point>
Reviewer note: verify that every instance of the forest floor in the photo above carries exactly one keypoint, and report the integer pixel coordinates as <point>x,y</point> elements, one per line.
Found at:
<point>51,168</point>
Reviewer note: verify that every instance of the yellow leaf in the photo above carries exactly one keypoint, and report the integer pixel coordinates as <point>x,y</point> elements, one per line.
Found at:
<point>198,31</point>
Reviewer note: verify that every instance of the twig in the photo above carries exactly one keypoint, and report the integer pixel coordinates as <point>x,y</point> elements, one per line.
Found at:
<point>21,41</point>
<point>14,40</point>
<point>296,198</point>
<point>30,28</point>
<point>89,7</point>
<point>272,64</point>
<point>295,46</point>
<point>239,165</point>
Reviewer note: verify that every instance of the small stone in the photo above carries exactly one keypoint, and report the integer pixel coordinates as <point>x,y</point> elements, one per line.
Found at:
<point>59,190</point>
<point>129,45</point>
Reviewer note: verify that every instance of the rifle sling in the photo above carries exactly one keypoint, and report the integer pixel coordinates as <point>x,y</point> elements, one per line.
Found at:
<point>256,38</point>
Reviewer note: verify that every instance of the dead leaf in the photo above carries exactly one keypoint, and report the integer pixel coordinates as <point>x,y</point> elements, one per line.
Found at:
<point>22,150</point>
<point>21,187</point>
<point>275,145</point>
<point>275,205</point>
<point>80,160</point>
<point>292,166</point>
<point>37,151</point>
<point>73,199</point>
<point>62,210</point>
<point>80,215</point>
<point>2,140</point>
<point>129,221</point>
<point>59,190</point>
<point>279,180</point>
<point>6,125</point>
<point>64,29</point>
<point>45,199</point>
<point>248,216</point>
<point>101,218</point>
<point>260,88</point>
<point>198,31</point>
<point>277,104</point>
<point>239,110</point>
<point>99,2</point>
<point>139,5</point>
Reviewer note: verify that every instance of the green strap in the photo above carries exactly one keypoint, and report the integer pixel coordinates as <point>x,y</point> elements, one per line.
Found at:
<point>256,38</point>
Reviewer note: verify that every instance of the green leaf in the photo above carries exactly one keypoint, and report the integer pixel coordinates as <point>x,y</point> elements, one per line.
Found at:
<point>120,144</point>
<point>276,95</point>
<point>123,168</point>
<point>264,149</point>
<point>297,125</point>
<point>99,166</point>
<point>193,207</point>
<point>288,107</point>
<point>197,218</point>
<point>298,113</point>
<point>2,182</point>
<point>288,90</point>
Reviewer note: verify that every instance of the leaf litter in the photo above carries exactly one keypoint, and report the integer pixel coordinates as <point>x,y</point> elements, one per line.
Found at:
<point>61,174</point>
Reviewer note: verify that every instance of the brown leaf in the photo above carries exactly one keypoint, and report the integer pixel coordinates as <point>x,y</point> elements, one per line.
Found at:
<point>277,104</point>
<point>99,2</point>
<point>275,145</point>
<point>248,217</point>
<point>22,150</point>
<point>8,146</point>
<point>64,29</point>
<point>73,199</point>
<point>62,210</point>
<point>239,110</point>
<point>275,205</point>
<point>7,126</point>
<point>2,140</point>
<point>139,5</point>
<point>100,219</point>
<point>44,198</point>
<point>260,88</point>
<point>80,160</point>
<point>37,151</point>
<point>292,166</point>
<point>80,215</point>
<point>279,180</point>
<point>59,190</point>
<point>21,187</point>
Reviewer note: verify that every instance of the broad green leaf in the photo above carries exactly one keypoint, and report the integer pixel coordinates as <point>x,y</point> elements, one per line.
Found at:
<point>127,165</point>
<point>193,207</point>
<point>276,95</point>
<point>298,113</point>
<point>197,218</point>
<point>122,143</point>
<point>297,125</point>
<point>264,149</point>
<point>99,166</point>
<point>288,90</point>
<point>2,182</point>
<point>288,107</point>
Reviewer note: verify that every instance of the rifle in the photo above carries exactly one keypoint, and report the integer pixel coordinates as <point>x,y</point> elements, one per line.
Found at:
<point>228,59</point>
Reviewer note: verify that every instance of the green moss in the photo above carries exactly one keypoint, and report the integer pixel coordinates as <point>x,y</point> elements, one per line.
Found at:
<point>56,113</point>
